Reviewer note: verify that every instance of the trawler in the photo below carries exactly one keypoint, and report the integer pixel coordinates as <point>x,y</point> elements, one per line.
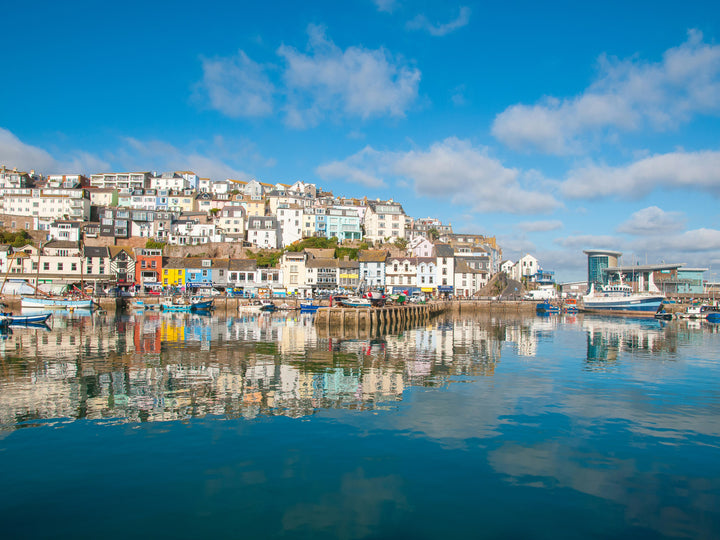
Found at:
<point>619,298</point>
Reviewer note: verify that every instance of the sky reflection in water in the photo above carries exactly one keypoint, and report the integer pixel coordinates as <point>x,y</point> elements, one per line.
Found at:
<point>259,426</point>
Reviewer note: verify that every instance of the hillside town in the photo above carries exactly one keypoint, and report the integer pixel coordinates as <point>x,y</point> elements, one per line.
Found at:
<point>144,232</point>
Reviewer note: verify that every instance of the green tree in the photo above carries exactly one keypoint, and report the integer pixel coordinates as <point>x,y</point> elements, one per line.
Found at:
<point>433,233</point>
<point>400,243</point>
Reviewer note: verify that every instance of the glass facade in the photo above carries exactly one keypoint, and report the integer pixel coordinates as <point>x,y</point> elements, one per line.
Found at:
<point>596,266</point>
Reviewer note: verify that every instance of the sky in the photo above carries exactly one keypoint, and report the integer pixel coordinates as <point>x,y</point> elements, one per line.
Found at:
<point>556,127</point>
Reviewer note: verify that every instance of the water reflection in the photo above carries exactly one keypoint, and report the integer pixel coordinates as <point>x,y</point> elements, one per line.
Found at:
<point>154,366</point>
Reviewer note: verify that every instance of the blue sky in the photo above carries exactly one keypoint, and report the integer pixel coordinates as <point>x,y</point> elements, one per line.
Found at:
<point>556,127</point>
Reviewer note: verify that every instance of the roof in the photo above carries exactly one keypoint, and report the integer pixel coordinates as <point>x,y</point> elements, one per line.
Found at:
<point>115,250</point>
<point>372,255</point>
<point>319,253</point>
<point>96,251</point>
<point>322,263</point>
<point>61,244</point>
<point>444,250</point>
<point>243,264</point>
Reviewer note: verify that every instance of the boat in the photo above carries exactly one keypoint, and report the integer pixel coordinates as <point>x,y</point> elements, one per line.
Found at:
<point>356,302</point>
<point>570,305</point>
<point>184,304</point>
<point>546,307</point>
<point>257,306</point>
<point>21,320</point>
<point>619,298</point>
<point>308,307</point>
<point>713,317</point>
<point>52,302</point>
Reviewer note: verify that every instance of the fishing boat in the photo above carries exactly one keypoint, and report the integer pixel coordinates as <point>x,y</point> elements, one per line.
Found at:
<point>570,305</point>
<point>21,320</point>
<point>620,299</point>
<point>356,302</point>
<point>52,302</point>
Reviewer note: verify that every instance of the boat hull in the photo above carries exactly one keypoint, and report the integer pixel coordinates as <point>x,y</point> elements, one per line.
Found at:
<point>21,320</point>
<point>61,303</point>
<point>645,305</point>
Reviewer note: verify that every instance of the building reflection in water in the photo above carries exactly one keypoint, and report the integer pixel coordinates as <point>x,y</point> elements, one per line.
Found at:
<point>155,366</point>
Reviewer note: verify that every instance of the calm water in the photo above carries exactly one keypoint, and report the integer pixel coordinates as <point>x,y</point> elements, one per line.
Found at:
<point>259,427</point>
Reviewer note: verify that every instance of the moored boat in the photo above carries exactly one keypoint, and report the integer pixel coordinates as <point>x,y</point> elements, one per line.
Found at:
<point>356,302</point>
<point>620,299</point>
<point>51,302</point>
<point>183,304</point>
<point>546,307</point>
<point>308,307</point>
<point>20,320</point>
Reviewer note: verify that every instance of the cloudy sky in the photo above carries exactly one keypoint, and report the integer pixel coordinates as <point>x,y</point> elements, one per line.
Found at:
<point>556,129</point>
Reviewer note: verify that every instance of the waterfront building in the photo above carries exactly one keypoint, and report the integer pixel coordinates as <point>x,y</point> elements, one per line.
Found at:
<point>241,276</point>
<point>220,273</point>
<point>468,278</point>
<point>148,268</point>
<point>427,275</point>
<point>372,267</point>
<point>445,266</point>
<point>293,267</point>
<point>122,267</point>
<point>526,267</point>
<point>321,275</point>
<point>198,273</point>
<point>401,273</point>
<point>599,261</point>
<point>173,272</point>
<point>348,274</point>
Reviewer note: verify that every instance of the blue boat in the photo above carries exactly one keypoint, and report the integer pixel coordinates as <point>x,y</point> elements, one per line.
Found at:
<point>22,320</point>
<point>49,302</point>
<point>546,307</point>
<point>308,307</point>
<point>713,317</point>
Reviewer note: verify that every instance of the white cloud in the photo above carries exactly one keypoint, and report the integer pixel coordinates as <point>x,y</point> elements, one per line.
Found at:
<point>388,6</point>
<point>361,168</point>
<point>237,86</point>
<point>421,22</point>
<point>626,96</point>
<point>468,176</point>
<point>357,81</point>
<point>16,154</point>
<point>540,226</point>
<point>652,221</point>
<point>686,170</point>
<point>693,241</point>
<point>451,169</point>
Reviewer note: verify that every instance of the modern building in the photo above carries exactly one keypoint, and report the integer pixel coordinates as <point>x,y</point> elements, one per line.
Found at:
<point>599,260</point>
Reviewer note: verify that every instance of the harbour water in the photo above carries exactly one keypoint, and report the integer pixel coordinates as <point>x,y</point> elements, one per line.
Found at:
<point>184,426</point>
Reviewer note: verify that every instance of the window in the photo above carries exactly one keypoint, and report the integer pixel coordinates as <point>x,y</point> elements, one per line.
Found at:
<point>73,267</point>
<point>60,267</point>
<point>143,264</point>
<point>46,265</point>
<point>153,264</point>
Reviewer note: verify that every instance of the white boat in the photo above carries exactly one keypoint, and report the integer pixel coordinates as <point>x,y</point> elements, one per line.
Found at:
<point>256,306</point>
<point>697,311</point>
<point>356,301</point>
<point>50,302</point>
<point>619,298</point>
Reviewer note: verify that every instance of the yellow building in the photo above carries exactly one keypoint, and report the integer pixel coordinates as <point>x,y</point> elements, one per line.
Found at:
<point>173,274</point>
